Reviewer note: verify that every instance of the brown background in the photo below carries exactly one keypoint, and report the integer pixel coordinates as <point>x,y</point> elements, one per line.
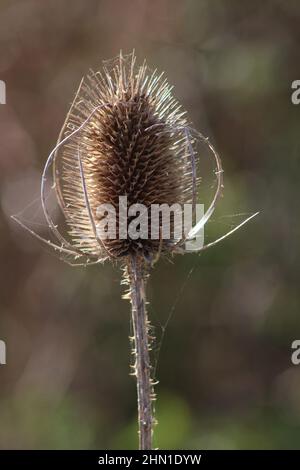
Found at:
<point>226,378</point>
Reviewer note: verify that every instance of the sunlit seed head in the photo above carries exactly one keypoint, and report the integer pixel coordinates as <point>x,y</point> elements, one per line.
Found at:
<point>130,144</point>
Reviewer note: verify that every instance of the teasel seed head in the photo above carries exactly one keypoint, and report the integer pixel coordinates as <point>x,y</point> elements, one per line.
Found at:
<point>123,136</point>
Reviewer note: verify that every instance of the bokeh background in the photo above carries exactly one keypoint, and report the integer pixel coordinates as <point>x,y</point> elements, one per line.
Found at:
<point>227,317</point>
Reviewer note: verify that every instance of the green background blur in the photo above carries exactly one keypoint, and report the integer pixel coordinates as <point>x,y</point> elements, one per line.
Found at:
<point>226,380</point>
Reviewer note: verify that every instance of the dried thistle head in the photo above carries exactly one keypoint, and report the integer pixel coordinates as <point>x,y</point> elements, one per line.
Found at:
<point>125,135</point>
<point>131,143</point>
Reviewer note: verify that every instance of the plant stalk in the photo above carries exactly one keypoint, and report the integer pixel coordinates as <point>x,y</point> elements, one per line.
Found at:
<point>137,279</point>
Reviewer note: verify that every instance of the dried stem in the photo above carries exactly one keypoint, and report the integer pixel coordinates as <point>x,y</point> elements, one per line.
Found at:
<point>137,279</point>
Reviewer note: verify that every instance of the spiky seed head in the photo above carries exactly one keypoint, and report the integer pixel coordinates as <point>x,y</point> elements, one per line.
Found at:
<point>131,144</point>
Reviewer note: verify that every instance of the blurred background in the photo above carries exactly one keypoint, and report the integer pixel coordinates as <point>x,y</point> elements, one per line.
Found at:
<point>227,317</point>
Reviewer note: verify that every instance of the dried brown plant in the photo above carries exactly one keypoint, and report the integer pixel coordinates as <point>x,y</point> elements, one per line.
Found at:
<point>125,135</point>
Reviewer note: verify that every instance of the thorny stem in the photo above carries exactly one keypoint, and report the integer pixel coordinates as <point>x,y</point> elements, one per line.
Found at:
<point>137,279</point>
